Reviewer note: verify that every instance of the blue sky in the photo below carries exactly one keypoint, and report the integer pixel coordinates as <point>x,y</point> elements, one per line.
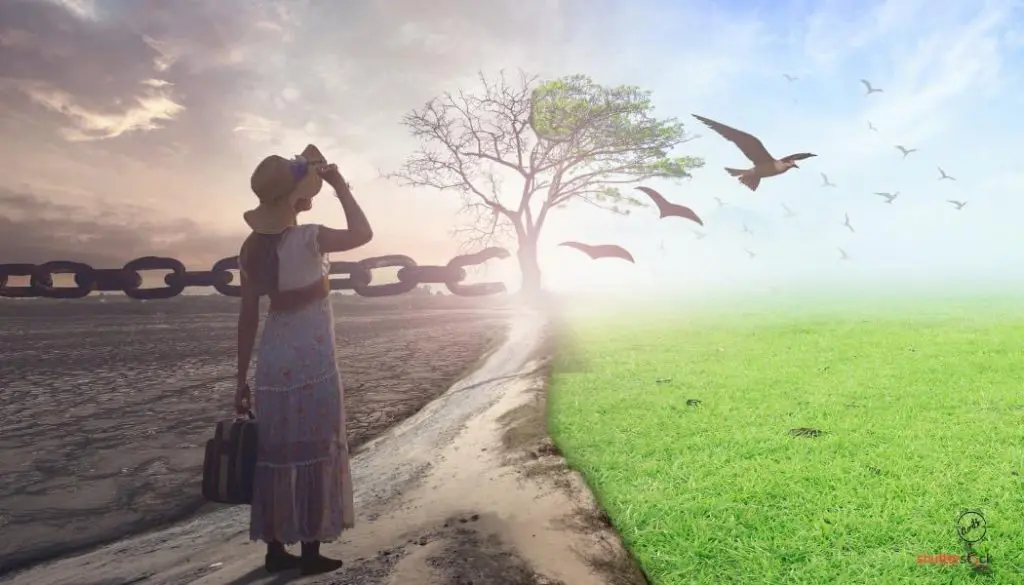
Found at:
<point>142,121</point>
<point>951,81</point>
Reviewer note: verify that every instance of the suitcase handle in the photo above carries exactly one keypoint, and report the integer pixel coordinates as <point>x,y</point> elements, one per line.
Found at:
<point>217,435</point>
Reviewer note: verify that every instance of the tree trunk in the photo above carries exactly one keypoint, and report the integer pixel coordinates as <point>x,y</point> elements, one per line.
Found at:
<point>529,267</point>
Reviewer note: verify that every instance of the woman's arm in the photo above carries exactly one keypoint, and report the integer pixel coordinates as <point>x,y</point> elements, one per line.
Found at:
<point>358,233</point>
<point>248,324</point>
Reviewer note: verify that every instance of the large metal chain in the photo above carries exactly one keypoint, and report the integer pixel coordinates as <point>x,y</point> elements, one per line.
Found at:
<point>359,277</point>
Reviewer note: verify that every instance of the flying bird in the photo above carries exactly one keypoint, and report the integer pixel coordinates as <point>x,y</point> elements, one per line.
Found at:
<point>943,175</point>
<point>602,251</point>
<point>905,151</point>
<point>720,202</point>
<point>746,230</point>
<point>700,235</point>
<point>765,165</point>
<point>788,212</point>
<point>872,127</point>
<point>846,222</point>
<point>789,77</point>
<point>842,254</point>
<point>825,182</point>
<point>889,197</point>
<point>870,88</point>
<point>959,204</point>
<point>668,209</point>
<point>749,253</point>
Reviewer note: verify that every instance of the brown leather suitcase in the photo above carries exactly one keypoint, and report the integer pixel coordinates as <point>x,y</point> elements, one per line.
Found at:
<point>230,462</point>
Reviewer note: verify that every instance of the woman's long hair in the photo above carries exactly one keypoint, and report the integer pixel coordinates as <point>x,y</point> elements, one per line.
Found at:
<point>259,260</point>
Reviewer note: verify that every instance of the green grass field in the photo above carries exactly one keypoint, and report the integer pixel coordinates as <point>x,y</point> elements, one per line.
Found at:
<point>922,408</point>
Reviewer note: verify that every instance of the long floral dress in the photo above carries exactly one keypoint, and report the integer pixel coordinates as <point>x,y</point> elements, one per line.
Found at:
<point>303,483</point>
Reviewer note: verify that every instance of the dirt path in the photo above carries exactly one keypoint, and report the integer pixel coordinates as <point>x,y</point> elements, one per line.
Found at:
<point>105,416</point>
<point>469,491</point>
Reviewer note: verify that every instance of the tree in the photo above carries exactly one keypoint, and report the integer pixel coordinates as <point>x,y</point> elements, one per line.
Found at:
<point>562,142</point>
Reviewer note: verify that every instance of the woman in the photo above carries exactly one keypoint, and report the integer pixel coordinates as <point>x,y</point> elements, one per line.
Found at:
<point>302,489</point>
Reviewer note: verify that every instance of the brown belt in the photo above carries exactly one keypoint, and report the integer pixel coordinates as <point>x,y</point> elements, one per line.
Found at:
<point>290,300</point>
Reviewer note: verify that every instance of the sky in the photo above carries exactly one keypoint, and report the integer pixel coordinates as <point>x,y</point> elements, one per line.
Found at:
<point>131,128</point>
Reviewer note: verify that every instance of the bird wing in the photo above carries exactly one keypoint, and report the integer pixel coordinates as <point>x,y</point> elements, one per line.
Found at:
<point>797,156</point>
<point>601,251</point>
<point>824,178</point>
<point>669,209</point>
<point>613,251</point>
<point>578,246</point>
<point>685,213</point>
<point>748,144</point>
<point>660,201</point>
<point>867,84</point>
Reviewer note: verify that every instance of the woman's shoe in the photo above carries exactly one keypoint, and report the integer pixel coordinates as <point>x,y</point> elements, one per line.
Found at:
<point>315,565</point>
<point>277,562</point>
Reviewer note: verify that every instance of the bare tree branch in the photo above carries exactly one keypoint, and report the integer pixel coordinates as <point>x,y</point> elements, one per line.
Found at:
<point>483,227</point>
<point>568,140</point>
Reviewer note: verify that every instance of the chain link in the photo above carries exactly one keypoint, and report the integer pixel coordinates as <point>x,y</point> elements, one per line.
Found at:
<point>358,277</point>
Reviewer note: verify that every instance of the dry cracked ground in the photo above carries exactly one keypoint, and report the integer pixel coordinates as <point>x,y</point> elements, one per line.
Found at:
<point>106,406</point>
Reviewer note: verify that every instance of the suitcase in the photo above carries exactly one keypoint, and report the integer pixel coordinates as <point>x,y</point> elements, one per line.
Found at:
<point>230,462</point>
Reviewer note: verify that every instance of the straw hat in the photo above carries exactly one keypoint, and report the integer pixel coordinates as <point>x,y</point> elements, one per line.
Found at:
<point>280,182</point>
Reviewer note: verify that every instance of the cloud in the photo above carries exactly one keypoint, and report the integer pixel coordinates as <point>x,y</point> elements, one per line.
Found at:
<point>105,72</point>
<point>143,112</point>
<point>84,9</point>
<point>940,60</point>
<point>94,62</point>
<point>34,229</point>
<point>165,107</point>
<point>257,128</point>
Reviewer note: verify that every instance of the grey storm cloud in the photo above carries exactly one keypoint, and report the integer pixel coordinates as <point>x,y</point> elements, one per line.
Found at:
<point>140,69</point>
<point>45,44</point>
<point>191,68</point>
<point>172,102</point>
<point>36,230</point>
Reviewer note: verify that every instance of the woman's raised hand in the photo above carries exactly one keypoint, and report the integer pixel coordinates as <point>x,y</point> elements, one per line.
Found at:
<point>330,174</point>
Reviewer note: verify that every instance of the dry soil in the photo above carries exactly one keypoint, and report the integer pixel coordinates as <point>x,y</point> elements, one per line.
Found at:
<point>105,407</point>
<point>468,491</point>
